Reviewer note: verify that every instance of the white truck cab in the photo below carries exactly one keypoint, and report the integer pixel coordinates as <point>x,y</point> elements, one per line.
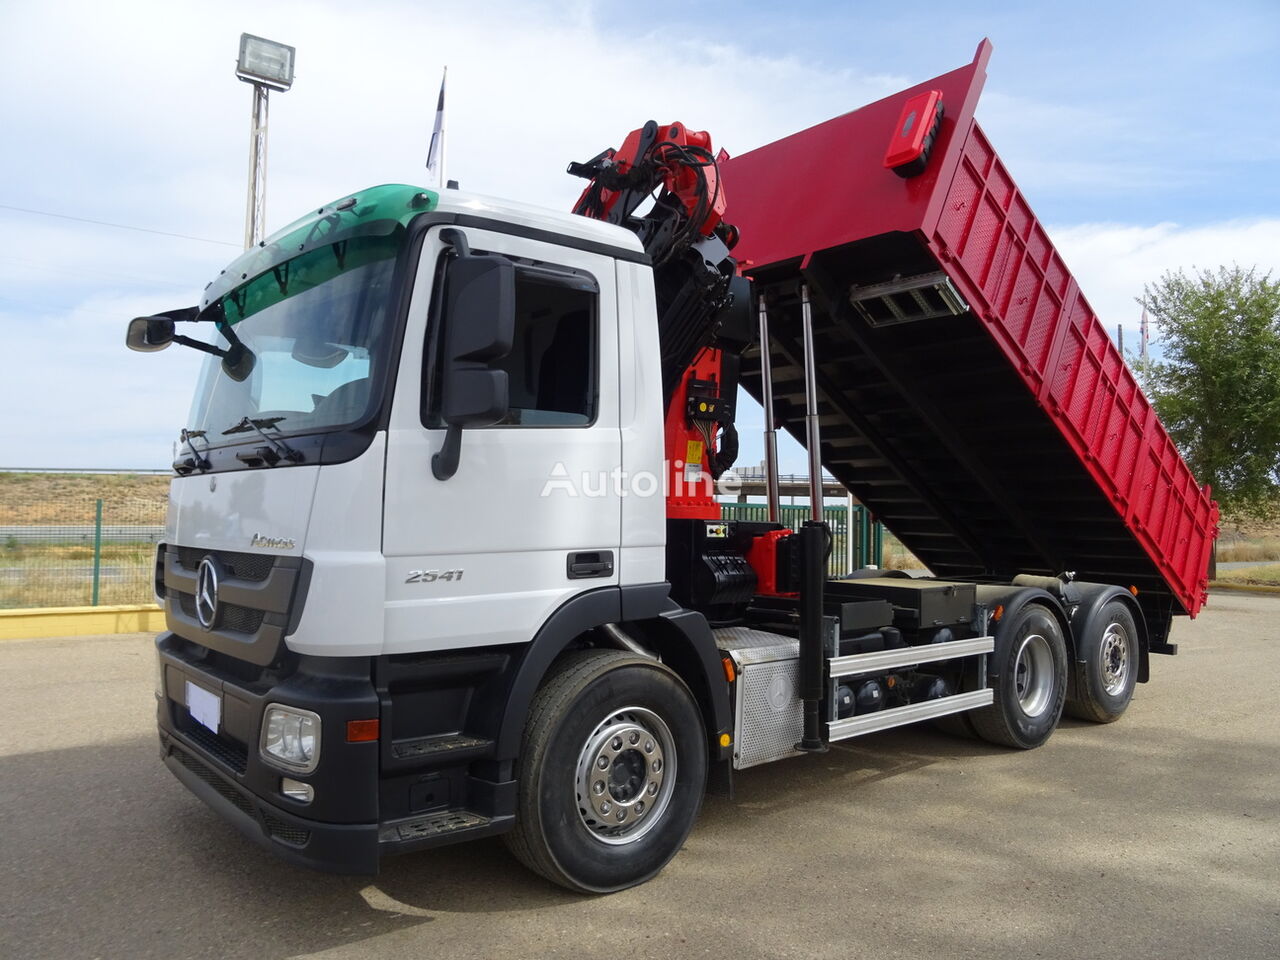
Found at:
<point>318,555</point>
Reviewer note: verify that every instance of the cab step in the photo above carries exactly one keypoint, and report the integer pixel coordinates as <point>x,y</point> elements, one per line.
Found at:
<point>438,828</point>
<point>450,746</point>
<point>431,825</point>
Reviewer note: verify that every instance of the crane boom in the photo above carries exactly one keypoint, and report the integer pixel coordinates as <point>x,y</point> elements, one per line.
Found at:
<point>703,303</point>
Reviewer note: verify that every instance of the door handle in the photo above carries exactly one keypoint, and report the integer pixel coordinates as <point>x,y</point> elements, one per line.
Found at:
<point>587,564</point>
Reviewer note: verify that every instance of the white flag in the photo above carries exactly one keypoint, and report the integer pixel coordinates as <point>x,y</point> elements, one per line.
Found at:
<point>435,154</point>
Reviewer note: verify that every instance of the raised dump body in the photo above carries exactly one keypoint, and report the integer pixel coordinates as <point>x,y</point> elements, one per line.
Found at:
<point>968,394</point>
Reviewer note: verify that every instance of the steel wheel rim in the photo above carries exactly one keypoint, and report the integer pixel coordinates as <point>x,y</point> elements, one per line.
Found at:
<point>1033,675</point>
<point>1113,658</point>
<point>625,776</point>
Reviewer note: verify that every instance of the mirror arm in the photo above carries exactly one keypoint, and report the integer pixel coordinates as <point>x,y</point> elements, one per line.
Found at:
<point>444,464</point>
<point>458,240</point>
<point>199,345</point>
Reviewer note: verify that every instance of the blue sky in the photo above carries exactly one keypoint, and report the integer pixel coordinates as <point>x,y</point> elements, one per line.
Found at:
<point>1143,135</point>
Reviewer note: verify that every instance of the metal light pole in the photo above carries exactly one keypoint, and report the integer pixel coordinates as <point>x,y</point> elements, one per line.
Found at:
<point>268,66</point>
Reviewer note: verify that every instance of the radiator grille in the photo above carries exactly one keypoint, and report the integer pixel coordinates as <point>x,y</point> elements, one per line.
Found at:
<point>231,617</point>
<point>243,566</point>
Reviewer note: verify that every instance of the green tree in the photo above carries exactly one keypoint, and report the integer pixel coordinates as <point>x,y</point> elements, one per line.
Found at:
<point>1216,385</point>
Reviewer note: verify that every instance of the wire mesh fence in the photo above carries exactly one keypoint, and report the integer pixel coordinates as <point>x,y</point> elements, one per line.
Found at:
<point>90,540</point>
<point>857,541</point>
<point>59,550</point>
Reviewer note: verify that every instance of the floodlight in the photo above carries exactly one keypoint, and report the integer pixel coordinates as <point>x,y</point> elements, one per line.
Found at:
<point>265,62</point>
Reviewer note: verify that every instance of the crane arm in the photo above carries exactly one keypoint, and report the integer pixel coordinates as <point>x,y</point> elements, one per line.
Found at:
<point>683,232</point>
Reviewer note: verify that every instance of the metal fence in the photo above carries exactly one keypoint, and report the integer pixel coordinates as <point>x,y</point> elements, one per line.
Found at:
<point>67,551</point>
<point>78,551</point>
<point>861,546</point>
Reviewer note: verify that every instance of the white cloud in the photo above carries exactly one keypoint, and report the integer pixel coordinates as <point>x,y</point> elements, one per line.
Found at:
<point>146,125</point>
<point>1112,262</point>
<point>142,122</point>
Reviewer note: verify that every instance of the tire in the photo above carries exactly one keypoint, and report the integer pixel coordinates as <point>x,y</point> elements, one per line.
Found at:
<point>1106,679</point>
<point>1030,663</point>
<point>625,712</point>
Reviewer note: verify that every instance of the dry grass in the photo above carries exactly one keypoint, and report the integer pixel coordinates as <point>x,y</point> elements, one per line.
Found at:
<point>898,557</point>
<point>61,498</point>
<point>1263,575</point>
<point>61,575</point>
<point>57,570</point>
<point>1230,551</point>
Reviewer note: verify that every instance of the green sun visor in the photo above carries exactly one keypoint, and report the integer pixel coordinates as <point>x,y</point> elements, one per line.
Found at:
<point>358,229</point>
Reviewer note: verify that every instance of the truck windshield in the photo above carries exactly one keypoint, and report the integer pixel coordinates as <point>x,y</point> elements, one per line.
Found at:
<point>318,326</point>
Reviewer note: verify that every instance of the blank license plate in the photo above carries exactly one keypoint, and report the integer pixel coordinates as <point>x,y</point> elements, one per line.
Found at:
<point>205,707</point>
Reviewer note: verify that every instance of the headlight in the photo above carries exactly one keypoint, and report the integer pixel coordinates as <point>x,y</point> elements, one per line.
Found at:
<point>291,737</point>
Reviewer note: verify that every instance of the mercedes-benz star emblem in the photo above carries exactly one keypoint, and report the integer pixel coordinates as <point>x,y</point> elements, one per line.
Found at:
<point>207,592</point>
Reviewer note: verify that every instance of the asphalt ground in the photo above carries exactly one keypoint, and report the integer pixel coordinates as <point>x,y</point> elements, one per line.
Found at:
<point>1155,837</point>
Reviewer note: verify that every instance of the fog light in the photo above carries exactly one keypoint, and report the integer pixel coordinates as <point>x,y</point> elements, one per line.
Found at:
<point>297,790</point>
<point>291,737</point>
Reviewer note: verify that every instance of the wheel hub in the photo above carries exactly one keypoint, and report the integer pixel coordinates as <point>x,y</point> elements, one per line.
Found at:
<point>1114,659</point>
<point>1033,675</point>
<point>625,774</point>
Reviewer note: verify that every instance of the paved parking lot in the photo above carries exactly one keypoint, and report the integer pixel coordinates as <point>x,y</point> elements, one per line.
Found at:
<point>1157,837</point>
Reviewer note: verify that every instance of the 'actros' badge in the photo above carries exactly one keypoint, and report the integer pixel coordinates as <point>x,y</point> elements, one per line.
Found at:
<point>207,593</point>
<point>271,543</point>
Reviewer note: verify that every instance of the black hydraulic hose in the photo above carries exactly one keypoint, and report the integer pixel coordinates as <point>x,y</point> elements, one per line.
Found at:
<point>727,455</point>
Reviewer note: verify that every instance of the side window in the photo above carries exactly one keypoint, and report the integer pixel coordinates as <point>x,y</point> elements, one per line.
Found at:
<point>552,367</point>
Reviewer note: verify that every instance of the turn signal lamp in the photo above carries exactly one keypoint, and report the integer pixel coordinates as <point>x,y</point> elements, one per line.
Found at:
<point>729,672</point>
<point>362,731</point>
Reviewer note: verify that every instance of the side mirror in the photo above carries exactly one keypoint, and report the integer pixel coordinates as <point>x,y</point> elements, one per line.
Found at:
<point>238,362</point>
<point>479,326</point>
<point>149,334</point>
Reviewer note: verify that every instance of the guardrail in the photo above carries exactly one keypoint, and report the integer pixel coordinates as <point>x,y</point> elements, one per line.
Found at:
<point>146,471</point>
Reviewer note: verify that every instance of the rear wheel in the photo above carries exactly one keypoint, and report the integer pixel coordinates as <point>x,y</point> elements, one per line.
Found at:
<point>611,773</point>
<point>1109,672</point>
<point>1030,683</point>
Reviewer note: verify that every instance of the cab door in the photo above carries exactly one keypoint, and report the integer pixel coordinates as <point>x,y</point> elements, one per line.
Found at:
<point>532,515</point>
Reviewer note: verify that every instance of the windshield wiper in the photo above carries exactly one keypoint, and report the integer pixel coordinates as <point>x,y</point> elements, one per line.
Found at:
<point>276,450</point>
<point>195,461</point>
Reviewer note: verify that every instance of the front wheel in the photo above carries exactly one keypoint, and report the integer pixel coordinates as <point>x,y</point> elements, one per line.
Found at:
<point>612,768</point>
<point>1030,681</point>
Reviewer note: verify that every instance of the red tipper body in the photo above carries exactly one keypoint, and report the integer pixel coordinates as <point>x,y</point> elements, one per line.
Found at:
<point>969,395</point>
